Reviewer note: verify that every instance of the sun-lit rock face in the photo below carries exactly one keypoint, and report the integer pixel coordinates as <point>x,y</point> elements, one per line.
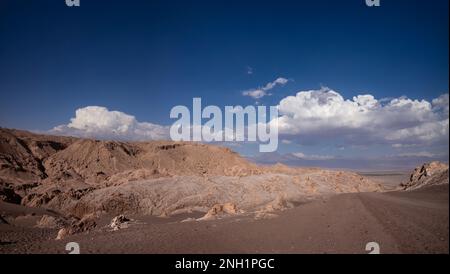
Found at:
<point>161,178</point>
<point>433,173</point>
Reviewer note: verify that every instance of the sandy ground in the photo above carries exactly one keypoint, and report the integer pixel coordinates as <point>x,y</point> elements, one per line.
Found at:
<point>400,222</point>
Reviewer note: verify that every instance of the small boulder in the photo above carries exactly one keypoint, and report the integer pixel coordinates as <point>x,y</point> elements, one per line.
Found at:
<point>51,222</point>
<point>86,224</point>
<point>278,204</point>
<point>220,209</point>
<point>119,222</point>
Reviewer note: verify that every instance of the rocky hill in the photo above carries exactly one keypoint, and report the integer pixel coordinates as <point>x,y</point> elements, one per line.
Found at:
<point>429,174</point>
<point>82,176</point>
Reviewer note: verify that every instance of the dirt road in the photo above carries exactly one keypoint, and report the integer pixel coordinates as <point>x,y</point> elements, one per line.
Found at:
<point>400,222</point>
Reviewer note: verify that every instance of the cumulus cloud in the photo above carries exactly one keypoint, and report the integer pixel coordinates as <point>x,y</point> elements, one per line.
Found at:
<point>403,145</point>
<point>424,154</point>
<point>362,162</point>
<point>325,114</point>
<point>442,103</point>
<point>313,156</point>
<point>99,122</point>
<point>263,91</point>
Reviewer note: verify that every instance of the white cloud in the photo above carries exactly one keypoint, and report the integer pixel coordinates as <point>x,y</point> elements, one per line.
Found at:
<point>263,91</point>
<point>312,157</point>
<point>256,94</point>
<point>442,103</point>
<point>417,154</point>
<point>325,114</point>
<point>249,70</point>
<point>99,122</point>
<point>404,145</point>
<point>425,132</point>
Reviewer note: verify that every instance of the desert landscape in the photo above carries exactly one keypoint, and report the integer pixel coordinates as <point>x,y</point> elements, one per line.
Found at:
<point>187,197</point>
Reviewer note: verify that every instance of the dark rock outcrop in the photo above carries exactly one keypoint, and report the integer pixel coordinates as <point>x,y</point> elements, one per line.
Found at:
<point>429,174</point>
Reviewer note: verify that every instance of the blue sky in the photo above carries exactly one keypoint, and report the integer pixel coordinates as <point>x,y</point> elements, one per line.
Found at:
<point>144,57</point>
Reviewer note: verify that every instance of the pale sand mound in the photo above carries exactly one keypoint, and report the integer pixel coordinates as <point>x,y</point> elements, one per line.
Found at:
<point>434,173</point>
<point>181,194</point>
